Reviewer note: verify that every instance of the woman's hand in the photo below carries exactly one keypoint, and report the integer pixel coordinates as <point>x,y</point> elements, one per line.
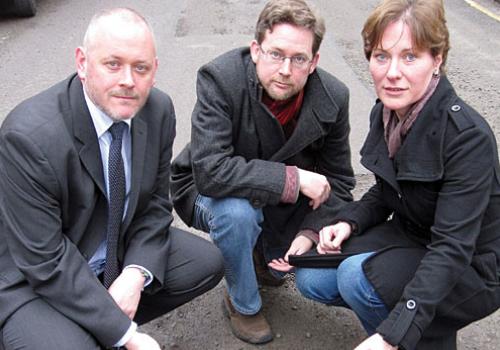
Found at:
<point>331,237</point>
<point>300,245</point>
<point>375,342</point>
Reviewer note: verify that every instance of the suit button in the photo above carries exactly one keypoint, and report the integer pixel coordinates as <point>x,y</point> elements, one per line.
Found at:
<point>411,304</point>
<point>456,108</point>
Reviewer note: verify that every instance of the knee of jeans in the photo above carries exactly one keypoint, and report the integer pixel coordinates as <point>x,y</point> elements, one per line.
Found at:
<point>316,285</point>
<point>350,274</point>
<point>238,212</point>
<point>302,281</point>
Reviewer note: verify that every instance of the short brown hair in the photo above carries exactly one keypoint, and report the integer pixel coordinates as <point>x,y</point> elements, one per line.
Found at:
<point>425,18</point>
<point>295,12</point>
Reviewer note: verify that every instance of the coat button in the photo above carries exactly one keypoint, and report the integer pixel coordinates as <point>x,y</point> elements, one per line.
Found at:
<point>411,304</point>
<point>456,108</point>
<point>257,203</point>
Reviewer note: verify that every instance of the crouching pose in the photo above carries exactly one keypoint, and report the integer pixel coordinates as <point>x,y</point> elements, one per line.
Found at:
<point>428,231</point>
<point>87,250</point>
<point>269,156</point>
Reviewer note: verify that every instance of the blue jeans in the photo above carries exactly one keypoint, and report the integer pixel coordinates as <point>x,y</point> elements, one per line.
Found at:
<point>234,226</point>
<point>345,286</point>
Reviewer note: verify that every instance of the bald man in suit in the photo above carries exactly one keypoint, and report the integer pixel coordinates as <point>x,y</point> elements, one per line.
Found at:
<point>56,249</point>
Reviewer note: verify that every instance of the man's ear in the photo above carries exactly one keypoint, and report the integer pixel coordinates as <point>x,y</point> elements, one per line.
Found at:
<point>81,62</point>
<point>314,63</point>
<point>254,51</point>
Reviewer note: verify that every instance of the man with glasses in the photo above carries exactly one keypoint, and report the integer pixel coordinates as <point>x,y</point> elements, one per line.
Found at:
<point>269,156</point>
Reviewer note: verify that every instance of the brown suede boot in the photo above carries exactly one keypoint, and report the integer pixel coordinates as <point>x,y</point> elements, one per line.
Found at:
<point>264,276</point>
<point>252,329</point>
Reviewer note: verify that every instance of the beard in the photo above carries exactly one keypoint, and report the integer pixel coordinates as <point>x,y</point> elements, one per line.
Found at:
<point>279,94</point>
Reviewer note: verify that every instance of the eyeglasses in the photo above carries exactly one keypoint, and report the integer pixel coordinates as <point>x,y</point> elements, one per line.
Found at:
<point>276,57</point>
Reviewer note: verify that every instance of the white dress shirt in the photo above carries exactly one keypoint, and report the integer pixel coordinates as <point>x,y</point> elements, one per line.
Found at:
<point>102,123</point>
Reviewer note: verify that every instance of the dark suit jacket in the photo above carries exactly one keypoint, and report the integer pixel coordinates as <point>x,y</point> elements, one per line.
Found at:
<point>54,210</point>
<point>238,148</point>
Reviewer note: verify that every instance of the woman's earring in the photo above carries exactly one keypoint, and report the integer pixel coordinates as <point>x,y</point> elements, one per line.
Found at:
<point>436,72</point>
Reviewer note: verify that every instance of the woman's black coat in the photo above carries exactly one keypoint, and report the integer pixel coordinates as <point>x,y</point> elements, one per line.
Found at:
<point>441,193</point>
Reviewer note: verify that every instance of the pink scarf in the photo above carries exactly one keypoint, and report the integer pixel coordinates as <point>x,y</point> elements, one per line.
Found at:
<point>395,129</point>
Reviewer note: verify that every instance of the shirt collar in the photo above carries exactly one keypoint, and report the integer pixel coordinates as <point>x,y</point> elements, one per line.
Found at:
<point>101,120</point>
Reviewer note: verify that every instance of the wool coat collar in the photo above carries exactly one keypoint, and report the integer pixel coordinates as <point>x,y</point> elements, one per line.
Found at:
<point>420,157</point>
<point>319,110</point>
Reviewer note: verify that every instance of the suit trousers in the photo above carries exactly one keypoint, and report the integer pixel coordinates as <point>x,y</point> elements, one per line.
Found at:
<point>195,266</point>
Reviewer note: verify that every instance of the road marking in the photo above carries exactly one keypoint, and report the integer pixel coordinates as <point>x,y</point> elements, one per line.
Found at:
<point>483,9</point>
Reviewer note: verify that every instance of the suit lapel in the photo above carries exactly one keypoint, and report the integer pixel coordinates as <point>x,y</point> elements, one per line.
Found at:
<point>85,134</point>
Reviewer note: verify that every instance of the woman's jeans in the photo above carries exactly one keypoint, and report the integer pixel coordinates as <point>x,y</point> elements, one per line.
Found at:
<point>234,226</point>
<point>345,286</point>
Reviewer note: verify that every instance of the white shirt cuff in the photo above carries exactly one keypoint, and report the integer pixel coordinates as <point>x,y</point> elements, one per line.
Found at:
<point>147,274</point>
<point>127,336</point>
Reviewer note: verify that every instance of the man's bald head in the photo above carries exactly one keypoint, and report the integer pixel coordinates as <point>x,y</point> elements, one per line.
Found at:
<point>108,20</point>
<point>117,62</point>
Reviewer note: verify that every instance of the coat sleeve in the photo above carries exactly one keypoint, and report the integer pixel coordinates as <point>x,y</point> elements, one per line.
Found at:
<point>147,236</point>
<point>462,202</point>
<point>369,211</point>
<point>48,259</point>
<point>218,171</point>
<point>334,162</point>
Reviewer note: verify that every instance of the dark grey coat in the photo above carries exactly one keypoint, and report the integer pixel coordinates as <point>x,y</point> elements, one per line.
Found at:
<point>443,192</point>
<point>238,148</point>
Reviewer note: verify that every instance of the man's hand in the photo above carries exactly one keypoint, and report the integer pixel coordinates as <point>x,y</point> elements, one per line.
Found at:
<point>314,186</point>
<point>126,290</point>
<point>300,245</point>
<point>375,342</point>
<point>142,341</point>
<point>331,237</point>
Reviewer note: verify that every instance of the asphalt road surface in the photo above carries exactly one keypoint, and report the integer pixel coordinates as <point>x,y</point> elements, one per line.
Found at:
<point>38,52</point>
